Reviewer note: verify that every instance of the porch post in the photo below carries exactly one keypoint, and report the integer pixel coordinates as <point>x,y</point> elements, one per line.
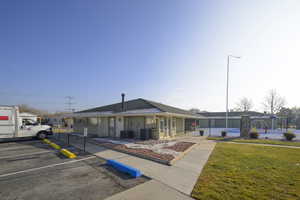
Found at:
<point>170,126</point>
<point>167,125</point>
<point>183,125</point>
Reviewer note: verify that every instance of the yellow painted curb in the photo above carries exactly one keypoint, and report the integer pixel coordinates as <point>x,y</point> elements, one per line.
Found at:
<point>46,141</point>
<point>55,146</point>
<point>68,153</point>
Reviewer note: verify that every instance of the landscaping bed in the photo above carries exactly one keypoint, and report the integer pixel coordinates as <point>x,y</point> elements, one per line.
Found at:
<point>236,171</point>
<point>162,151</point>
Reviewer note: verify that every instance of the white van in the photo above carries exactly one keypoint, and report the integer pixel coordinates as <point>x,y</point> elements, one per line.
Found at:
<point>14,126</point>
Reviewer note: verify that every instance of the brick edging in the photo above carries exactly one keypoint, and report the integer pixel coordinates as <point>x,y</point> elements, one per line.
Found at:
<point>165,162</point>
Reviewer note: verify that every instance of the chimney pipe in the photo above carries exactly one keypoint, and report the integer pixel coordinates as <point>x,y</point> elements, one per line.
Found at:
<point>123,106</point>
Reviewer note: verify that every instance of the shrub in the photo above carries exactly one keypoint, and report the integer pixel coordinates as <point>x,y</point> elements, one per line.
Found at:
<point>224,133</point>
<point>253,133</point>
<point>289,135</point>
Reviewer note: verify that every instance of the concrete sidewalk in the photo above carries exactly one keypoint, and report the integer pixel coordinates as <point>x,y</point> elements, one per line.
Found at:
<point>178,179</point>
<point>149,191</point>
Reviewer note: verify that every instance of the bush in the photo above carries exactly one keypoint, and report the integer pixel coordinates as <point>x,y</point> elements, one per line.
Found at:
<point>289,136</point>
<point>224,133</point>
<point>253,133</point>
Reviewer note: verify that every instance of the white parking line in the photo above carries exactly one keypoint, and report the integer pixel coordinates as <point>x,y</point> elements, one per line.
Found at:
<point>44,167</point>
<point>18,147</point>
<point>25,154</point>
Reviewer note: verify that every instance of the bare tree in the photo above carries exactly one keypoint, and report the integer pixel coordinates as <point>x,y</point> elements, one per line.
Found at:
<point>244,105</point>
<point>26,108</point>
<point>274,102</point>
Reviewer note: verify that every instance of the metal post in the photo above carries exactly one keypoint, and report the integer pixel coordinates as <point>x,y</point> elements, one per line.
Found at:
<point>85,133</point>
<point>68,138</point>
<point>227,85</point>
<point>84,141</point>
<point>209,126</point>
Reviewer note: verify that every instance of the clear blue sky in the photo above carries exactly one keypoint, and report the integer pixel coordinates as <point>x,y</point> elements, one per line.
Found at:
<point>171,51</point>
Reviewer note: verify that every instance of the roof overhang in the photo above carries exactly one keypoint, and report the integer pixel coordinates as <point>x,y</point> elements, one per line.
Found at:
<point>141,112</point>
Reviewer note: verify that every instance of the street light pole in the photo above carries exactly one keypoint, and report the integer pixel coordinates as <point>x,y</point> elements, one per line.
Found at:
<point>227,86</point>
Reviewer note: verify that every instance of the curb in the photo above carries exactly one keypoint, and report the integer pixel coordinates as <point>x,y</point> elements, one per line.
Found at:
<point>65,152</point>
<point>55,146</point>
<point>46,141</point>
<point>68,153</point>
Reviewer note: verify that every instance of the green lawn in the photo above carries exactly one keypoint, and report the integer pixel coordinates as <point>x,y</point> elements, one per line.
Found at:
<point>215,138</point>
<point>266,141</point>
<point>236,171</point>
<point>259,141</point>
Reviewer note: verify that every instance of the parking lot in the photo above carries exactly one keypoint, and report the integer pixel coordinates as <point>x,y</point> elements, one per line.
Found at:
<point>34,170</point>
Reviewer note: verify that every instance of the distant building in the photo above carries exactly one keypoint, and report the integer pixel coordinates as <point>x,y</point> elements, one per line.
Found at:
<point>218,119</point>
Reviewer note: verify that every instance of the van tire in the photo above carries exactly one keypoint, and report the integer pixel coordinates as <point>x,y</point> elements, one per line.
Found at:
<point>41,135</point>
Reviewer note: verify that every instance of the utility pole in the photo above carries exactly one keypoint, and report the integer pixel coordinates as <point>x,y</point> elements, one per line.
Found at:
<point>69,103</point>
<point>227,85</point>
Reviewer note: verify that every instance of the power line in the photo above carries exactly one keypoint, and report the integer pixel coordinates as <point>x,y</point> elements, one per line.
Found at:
<point>69,103</point>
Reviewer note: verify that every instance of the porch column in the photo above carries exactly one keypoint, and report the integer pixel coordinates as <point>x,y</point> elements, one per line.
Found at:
<point>168,127</point>
<point>183,125</point>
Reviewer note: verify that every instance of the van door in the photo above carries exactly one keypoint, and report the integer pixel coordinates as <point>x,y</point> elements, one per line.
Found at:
<point>28,128</point>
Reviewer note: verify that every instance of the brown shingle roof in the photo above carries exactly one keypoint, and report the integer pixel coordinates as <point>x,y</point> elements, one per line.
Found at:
<point>138,104</point>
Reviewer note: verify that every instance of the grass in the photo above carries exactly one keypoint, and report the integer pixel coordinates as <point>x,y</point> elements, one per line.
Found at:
<point>236,171</point>
<point>266,141</point>
<point>216,138</point>
<point>257,141</point>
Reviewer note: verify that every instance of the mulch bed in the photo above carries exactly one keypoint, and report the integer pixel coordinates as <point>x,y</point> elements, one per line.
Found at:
<point>180,146</point>
<point>149,154</point>
<point>154,142</point>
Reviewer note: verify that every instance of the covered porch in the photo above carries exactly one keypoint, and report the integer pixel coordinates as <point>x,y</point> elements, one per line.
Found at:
<point>163,126</point>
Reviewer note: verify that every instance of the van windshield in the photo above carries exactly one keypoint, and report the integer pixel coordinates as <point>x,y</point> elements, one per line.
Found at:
<point>29,122</point>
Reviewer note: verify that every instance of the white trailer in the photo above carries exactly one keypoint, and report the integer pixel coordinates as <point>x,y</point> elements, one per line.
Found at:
<point>14,126</point>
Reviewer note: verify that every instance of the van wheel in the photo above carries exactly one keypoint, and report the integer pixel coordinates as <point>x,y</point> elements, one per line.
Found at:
<point>41,135</point>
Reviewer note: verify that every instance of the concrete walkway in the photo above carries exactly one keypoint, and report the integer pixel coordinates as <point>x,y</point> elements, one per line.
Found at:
<point>168,182</point>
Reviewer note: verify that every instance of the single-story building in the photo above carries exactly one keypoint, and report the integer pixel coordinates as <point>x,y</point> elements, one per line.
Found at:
<point>134,115</point>
<point>218,119</point>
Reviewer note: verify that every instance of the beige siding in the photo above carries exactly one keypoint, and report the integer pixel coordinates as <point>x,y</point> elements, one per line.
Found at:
<point>96,126</point>
<point>179,126</point>
<point>79,124</point>
<point>135,124</point>
<point>103,127</point>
